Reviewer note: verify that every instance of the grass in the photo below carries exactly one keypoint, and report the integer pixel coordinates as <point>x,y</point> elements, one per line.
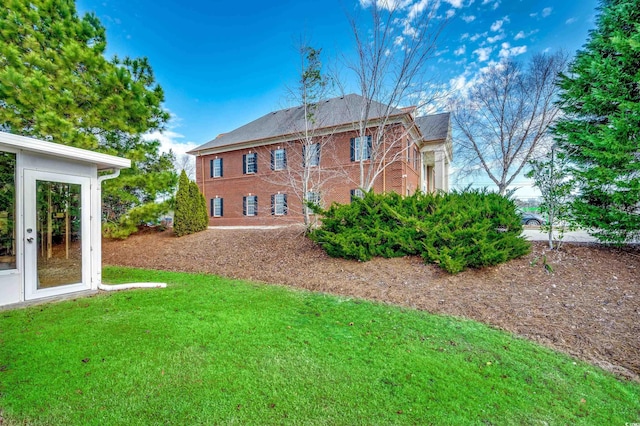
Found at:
<point>208,350</point>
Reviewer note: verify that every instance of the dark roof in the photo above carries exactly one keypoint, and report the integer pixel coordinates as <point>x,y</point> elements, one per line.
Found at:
<point>330,113</point>
<point>434,127</point>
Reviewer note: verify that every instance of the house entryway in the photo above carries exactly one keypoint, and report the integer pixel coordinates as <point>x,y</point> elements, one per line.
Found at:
<point>56,230</point>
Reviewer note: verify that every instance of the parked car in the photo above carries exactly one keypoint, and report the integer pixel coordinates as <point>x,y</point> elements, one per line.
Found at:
<point>530,218</point>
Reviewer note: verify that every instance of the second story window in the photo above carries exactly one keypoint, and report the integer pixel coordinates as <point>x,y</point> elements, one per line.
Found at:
<point>311,154</point>
<point>250,163</point>
<point>278,159</point>
<point>216,167</point>
<point>360,148</point>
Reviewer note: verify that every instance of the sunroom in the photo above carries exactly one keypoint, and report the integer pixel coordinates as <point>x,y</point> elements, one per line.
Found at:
<point>50,218</point>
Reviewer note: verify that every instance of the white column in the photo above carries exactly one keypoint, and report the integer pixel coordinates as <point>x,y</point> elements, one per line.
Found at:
<point>441,171</point>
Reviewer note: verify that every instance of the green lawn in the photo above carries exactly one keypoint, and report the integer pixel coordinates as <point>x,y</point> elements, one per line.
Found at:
<point>208,350</point>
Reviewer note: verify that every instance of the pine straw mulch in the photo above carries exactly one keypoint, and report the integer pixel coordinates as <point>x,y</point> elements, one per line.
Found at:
<point>588,306</point>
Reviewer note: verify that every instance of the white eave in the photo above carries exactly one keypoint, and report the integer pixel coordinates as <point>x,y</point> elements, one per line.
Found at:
<point>103,161</point>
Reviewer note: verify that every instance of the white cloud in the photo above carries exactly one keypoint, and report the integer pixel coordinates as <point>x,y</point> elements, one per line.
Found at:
<point>450,13</point>
<point>570,21</point>
<point>519,35</point>
<point>386,4</point>
<point>495,38</point>
<point>494,6</point>
<point>169,140</point>
<point>416,9</point>
<point>483,53</point>
<point>460,50</point>
<point>546,11</point>
<point>533,15</point>
<point>464,36</point>
<point>507,51</point>
<point>455,3</point>
<point>477,36</point>
<point>496,26</point>
<point>468,18</point>
<point>398,41</point>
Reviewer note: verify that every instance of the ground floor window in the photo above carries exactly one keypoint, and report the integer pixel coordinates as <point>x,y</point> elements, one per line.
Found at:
<point>357,193</point>
<point>250,205</point>
<point>7,210</point>
<point>313,198</point>
<point>216,207</point>
<point>279,204</point>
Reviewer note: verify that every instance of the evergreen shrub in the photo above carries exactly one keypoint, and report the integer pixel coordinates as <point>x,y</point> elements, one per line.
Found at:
<point>190,214</point>
<point>459,230</point>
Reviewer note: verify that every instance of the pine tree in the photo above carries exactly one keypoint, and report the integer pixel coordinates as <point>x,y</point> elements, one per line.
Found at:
<point>200,218</point>
<point>601,130</point>
<point>56,84</point>
<point>191,208</point>
<point>182,215</point>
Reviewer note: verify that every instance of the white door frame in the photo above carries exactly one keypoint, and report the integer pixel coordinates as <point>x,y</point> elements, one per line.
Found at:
<point>30,239</point>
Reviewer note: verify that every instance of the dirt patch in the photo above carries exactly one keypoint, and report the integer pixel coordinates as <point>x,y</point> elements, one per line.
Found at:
<point>588,306</point>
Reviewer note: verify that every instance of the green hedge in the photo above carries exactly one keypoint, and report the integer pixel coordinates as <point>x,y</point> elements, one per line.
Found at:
<point>471,228</point>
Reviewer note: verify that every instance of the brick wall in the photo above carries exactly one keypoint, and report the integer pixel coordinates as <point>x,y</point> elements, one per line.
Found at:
<point>337,174</point>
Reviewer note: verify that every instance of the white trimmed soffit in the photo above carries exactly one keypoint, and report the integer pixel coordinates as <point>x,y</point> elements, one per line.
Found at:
<point>103,161</point>
<point>347,127</point>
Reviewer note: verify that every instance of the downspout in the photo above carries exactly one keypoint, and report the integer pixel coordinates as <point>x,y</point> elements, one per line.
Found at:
<point>107,287</point>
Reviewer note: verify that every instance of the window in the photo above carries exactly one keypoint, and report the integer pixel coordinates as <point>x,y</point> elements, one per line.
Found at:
<point>313,198</point>
<point>279,204</point>
<point>7,210</point>
<point>360,148</point>
<point>416,158</point>
<point>311,153</point>
<point>250,205</point>
<point>216,167</point>
<point>278,159</point>
<point>357,193</point>
<point>216,207</point>
<point>250,163</point>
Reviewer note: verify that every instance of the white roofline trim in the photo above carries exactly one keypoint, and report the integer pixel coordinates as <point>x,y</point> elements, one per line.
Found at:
<point>104,161</point>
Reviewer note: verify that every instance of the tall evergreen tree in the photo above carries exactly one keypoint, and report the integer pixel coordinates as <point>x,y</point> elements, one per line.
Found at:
<point>190,213</point>
<point>57,85</point>
<point>184,208</point>
<point>601,130</point>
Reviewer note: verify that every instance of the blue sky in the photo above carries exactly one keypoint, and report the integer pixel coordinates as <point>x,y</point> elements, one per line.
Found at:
<point>223,64</point>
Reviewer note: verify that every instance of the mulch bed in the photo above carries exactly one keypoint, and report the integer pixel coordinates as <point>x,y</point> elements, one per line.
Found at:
<point>587,306</point>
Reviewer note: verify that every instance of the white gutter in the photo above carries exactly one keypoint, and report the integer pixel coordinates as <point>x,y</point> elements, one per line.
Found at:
<point>127,286</point>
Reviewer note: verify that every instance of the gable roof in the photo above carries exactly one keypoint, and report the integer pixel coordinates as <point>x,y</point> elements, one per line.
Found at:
<point>330,113</point>
<point>434,127</point>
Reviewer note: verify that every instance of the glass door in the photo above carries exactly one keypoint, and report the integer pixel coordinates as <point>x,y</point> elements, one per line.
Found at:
<point>56,234</point>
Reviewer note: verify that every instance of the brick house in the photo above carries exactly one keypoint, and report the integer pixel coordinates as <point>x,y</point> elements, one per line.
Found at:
<point>253,174</point>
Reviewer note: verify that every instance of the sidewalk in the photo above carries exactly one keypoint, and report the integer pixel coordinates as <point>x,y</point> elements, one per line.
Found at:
<point>569,237</point>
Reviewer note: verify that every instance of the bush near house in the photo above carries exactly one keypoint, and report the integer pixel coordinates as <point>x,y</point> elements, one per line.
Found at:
<point>191,210</point>
<point>463,229</point>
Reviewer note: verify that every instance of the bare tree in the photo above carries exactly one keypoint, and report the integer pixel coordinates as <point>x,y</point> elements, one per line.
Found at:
<point>506,117</point>
<point>298,162</point>
<point>187,163</point>
<point>390,68</point>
